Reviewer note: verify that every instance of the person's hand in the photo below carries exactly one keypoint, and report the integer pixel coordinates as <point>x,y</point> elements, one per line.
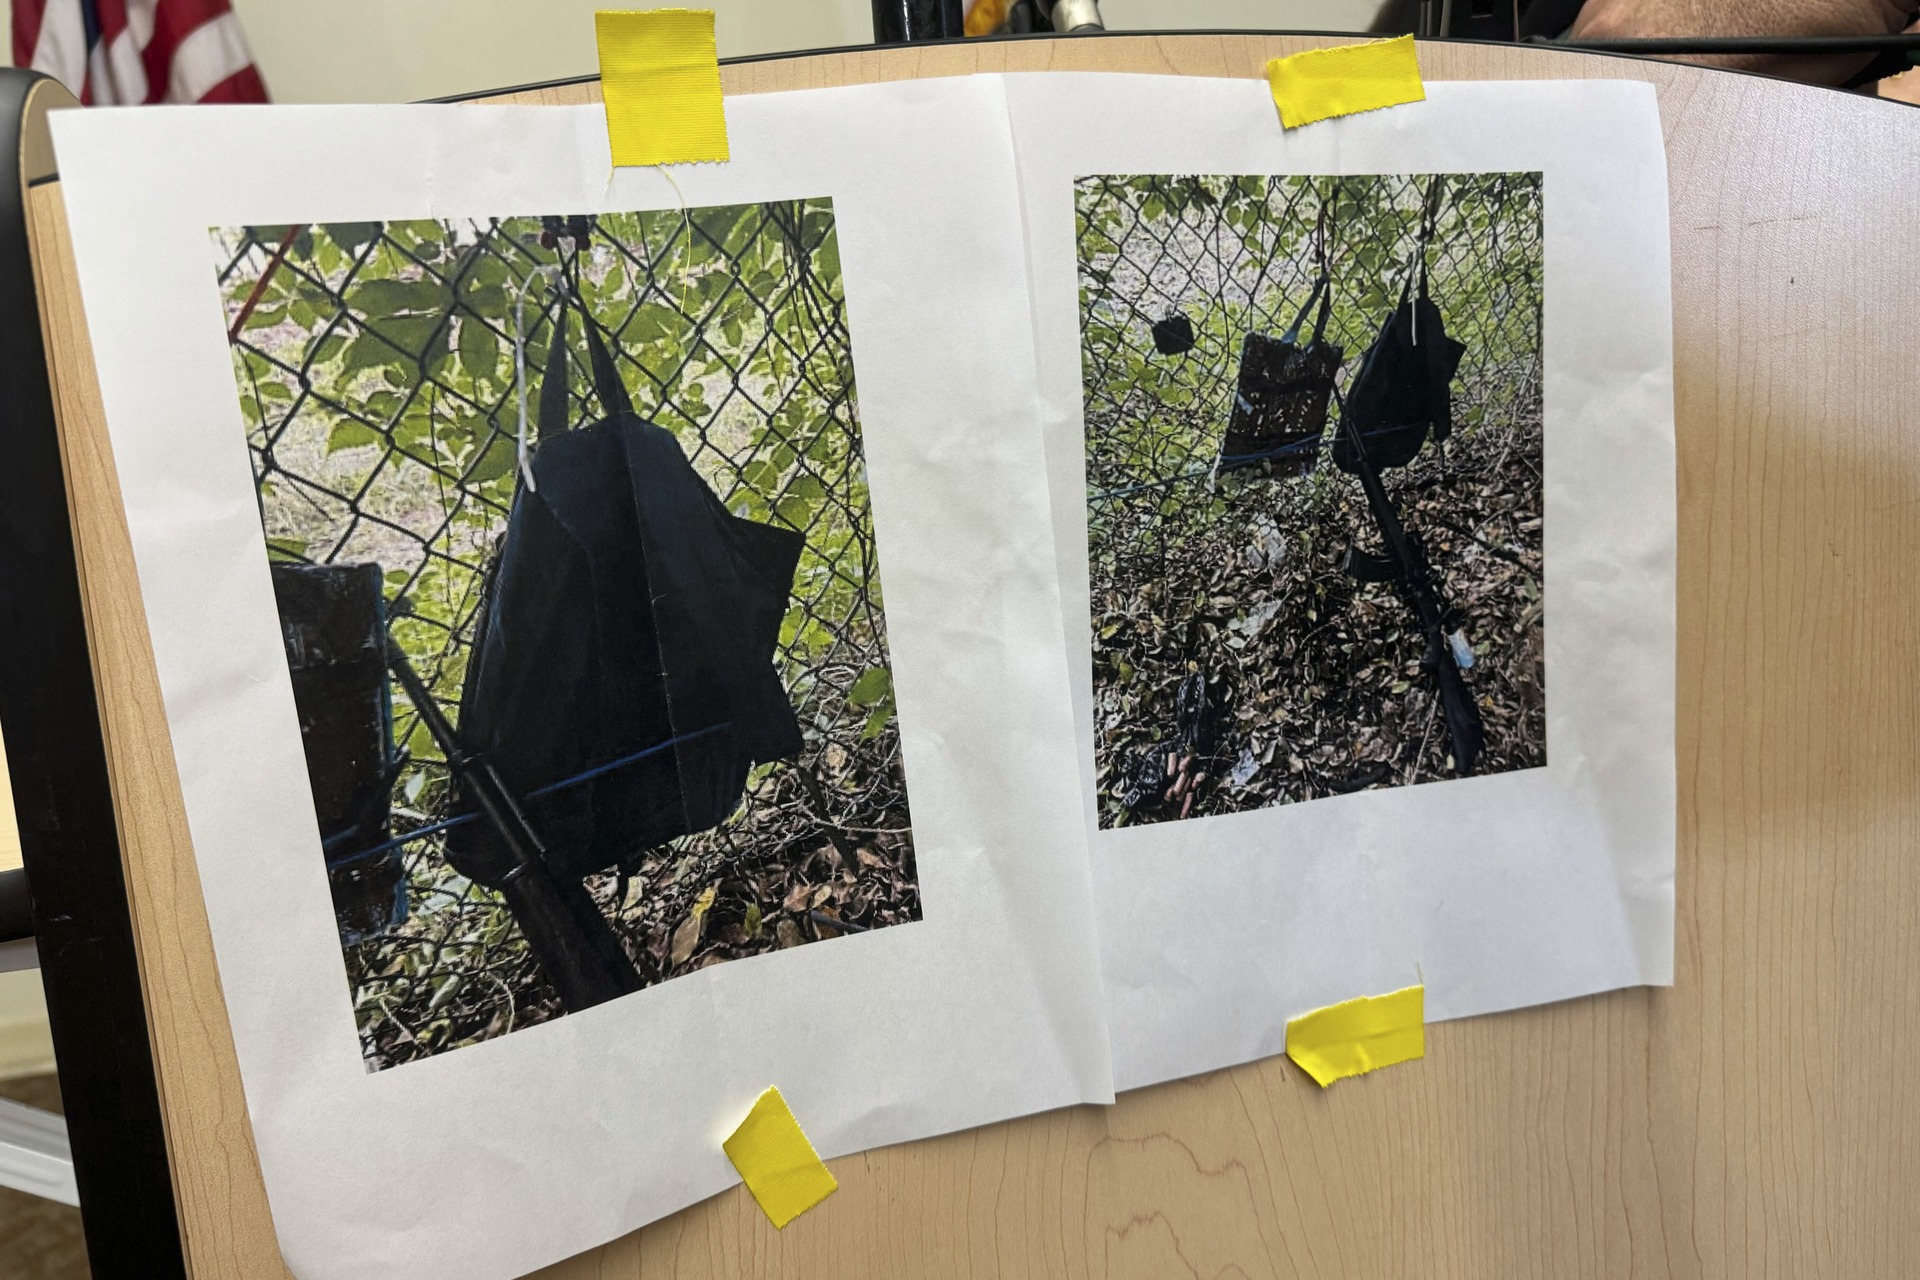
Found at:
<point>1626,19</point>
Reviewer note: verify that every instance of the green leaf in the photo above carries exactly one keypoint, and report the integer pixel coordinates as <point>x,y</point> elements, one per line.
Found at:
<point>329,347</point>
<point>874,684</point>
<point>368,351</point>
<point>411,335</point>
<point>479,349</point>
<point>484,298</point>
<point>497,461</point>
<point>826,262</point>
<point>350,434</point>
<point>379,298</point>
<point>794,510</point>
<point>350,236</point>
<point>877,721</point>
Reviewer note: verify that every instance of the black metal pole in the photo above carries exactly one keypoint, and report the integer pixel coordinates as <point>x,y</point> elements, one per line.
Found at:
<point>62,792</point>
<point>570,939</point>
<point>901,21</point>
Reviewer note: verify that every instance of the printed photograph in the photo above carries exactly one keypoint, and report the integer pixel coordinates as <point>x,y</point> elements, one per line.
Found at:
<point>1314,505</point>
<point>570,538</point>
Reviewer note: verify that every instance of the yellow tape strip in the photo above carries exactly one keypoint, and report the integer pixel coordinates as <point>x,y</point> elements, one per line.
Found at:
<point>1323,83</point>
<point>777,1162</point>
<point>1359,1036</point>
<point>660,75</point>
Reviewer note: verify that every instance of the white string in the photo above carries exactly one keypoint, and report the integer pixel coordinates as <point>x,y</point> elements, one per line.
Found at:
<point>686,223</point>
<point>525,460</point>
<point>686,229</point>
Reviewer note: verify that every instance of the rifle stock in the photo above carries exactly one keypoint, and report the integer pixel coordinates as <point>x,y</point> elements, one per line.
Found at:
<point>570,940</point>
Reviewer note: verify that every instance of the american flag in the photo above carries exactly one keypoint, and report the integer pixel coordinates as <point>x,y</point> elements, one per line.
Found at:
<point>122,52</point>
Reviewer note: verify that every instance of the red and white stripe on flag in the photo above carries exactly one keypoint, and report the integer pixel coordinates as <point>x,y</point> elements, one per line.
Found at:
<point>122,52</point>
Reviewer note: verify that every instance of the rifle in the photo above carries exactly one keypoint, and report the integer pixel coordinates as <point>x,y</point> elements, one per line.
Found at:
<point>571,941</point>
<point>1405,402</point>
<point>1405,565</point>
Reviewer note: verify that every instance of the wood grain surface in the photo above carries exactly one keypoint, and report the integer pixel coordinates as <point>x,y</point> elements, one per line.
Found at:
<point>1756,1120</point>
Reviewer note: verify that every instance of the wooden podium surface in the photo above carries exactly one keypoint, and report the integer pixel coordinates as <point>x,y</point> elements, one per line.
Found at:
<point>1756,1120</point>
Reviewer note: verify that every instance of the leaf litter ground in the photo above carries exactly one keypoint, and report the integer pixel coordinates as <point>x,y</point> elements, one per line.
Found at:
<point>1314,683</point>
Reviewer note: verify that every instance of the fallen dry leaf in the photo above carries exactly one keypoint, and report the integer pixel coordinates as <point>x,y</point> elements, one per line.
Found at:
<point>685,939</point>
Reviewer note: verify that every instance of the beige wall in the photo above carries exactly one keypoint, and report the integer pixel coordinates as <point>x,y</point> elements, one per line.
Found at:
<point>1239,15</point>
<point>401,50</point>
<point>26,1046</point>
<point>404,50</point>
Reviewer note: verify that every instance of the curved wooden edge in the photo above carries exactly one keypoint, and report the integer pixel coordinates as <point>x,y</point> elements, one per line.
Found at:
<point>221,1204</point>
<point>1228,55</point>
<point>1044,1171</point>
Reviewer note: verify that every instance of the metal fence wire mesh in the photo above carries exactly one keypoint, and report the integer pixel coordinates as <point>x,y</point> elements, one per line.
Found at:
<point>383,370</point>
<point>1229,573</point>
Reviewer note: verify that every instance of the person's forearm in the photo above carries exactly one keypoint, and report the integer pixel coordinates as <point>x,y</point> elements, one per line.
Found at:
<point>1620,19</point>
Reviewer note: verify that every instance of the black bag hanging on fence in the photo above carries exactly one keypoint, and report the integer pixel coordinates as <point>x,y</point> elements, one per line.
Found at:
<point>1173,335</point>
<point>621,681</point>
<point>1280,400</point>
<point>1403,392</point>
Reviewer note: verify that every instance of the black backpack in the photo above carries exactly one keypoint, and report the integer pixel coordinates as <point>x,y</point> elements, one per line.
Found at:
<point>621,681</point>
<point>1402,394</point>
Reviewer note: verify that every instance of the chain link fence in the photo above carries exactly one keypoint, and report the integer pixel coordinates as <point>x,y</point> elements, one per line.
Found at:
<point>1230,576</point>
<point>384,371</point>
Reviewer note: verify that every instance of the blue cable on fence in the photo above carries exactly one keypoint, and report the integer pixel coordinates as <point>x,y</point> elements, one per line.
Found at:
<point>540,793</point>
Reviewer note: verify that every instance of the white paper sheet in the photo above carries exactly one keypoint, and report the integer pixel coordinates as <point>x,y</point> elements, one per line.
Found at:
<point>1500,891</point>
<point>492,1160</point>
